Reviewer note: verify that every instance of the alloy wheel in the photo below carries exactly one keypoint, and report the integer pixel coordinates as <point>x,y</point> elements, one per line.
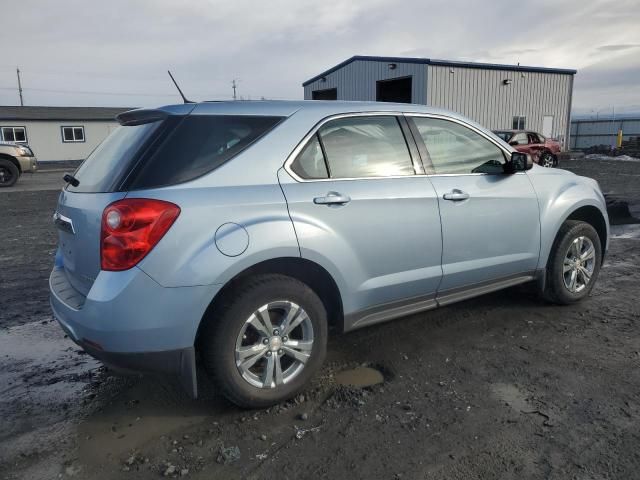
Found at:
<point>274,344</point>
<point>578,265</point>
<point>547,161</point>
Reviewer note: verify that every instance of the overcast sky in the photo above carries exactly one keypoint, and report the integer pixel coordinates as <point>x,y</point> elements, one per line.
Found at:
<point>116,53</point>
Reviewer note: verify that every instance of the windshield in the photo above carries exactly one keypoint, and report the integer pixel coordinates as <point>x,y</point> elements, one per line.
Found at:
<point>105,166</point>
<point>504,135</point>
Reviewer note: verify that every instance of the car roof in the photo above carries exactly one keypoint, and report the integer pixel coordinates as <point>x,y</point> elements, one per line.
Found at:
<point>289,107</point>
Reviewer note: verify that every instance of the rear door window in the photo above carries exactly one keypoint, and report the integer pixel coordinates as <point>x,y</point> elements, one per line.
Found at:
<point>310,163</point>
<point>198,145</point>
<point>360,147</point>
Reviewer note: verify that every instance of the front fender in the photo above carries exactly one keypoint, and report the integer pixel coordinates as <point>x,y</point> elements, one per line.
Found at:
<point>560,194</point>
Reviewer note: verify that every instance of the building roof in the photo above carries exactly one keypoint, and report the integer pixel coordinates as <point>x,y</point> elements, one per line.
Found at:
<point>16,113</point>
<point>443,63</point>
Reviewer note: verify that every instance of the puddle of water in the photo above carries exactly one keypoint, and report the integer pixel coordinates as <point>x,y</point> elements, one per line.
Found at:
<point>360,377</point>
<point>42,379</point>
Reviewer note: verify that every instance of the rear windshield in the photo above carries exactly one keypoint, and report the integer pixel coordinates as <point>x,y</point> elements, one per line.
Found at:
<point>175,150</point>
<point>108,163</point>
<point>198,145</point>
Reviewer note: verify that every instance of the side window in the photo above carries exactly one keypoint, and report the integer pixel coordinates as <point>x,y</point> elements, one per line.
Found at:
<point>456,149</point>
<point>310,162</point>
<point>13,134</point>
<point>359,147</point>
<point>533,138</point>
<point>519,139</point>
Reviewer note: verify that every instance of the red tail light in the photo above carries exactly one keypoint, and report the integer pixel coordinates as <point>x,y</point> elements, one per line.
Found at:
<point>131,228</point>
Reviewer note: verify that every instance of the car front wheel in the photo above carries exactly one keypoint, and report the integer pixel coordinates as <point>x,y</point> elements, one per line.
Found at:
<point>9,173</point>
<point>574,263</point>
<point>263,346</point>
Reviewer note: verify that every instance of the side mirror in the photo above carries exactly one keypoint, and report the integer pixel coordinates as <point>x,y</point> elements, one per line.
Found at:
<point>520,162</point>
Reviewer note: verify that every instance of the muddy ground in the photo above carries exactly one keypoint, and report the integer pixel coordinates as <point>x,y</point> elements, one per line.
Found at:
<point>502,386</point>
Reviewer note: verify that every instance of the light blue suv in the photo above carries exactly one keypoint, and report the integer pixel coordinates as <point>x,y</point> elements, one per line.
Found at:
<point>235,234</point>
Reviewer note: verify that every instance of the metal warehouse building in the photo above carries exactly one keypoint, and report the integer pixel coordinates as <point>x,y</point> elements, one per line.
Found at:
<point>496,96</point>
<point>58,133</point>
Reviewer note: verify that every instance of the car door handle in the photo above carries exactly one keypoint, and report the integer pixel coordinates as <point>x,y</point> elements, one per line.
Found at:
<point>332,198</point>
<point>456,195</point>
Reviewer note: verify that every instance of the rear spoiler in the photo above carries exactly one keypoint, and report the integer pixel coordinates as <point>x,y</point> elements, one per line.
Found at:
<point>141,116</point>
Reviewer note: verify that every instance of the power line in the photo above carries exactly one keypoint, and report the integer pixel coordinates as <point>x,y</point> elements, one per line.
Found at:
<point>91,92</point>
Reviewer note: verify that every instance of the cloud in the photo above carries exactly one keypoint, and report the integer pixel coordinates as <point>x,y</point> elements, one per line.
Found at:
<point>617,48</point>
<point>118,51</point>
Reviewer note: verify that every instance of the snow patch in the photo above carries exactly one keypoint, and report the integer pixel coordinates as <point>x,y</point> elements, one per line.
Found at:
<point>621,158</point>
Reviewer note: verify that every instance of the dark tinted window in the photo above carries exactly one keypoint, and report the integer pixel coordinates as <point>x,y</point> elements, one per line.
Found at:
<point>198,145</point>
<point>365,147</point>
<point>20,135</point>
<point>107,164</point>
<point>310,163</point>
<point>456,149</point>
<point>519,123</point>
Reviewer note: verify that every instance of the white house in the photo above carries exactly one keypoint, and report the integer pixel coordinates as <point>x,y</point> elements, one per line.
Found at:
<point>58,133</point>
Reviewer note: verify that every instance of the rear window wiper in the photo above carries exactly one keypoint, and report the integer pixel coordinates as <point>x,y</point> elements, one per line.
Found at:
<point>71,180</point>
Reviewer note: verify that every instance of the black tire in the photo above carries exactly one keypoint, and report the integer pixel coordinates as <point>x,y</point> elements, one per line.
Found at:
<point>9,173</point>
<point>555,161</point>
<point>556,290</point>
<point>217,340</point>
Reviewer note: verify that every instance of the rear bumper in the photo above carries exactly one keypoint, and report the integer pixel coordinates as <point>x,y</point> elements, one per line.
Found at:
<point>180,363</point>
<point>131,323</point>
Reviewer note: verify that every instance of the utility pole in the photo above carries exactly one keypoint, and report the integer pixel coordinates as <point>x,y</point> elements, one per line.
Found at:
<point>19,87</point>
<point>234,85</point>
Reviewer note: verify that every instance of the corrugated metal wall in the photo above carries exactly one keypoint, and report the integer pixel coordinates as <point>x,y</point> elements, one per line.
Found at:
<point>588,133</point>
<point>357,81</point>
<point>481,95</point>
<point>477,93</point>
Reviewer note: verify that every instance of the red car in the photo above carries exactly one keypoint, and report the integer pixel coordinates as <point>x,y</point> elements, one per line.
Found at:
<point>543,151</point>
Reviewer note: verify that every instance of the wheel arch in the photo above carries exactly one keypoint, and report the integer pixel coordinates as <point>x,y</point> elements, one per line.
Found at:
<point>588,213</point>
<point>12,160</point>
<point>306,271</point>
<point>594,217</point>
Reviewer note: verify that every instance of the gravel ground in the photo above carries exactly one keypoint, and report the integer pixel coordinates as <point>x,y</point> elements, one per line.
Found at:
<point>501,386</point>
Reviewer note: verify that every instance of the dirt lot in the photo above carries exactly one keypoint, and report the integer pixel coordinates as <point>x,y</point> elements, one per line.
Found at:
<point>502,386</point>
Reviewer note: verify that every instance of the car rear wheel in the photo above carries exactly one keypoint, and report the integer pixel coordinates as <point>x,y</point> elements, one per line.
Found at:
<point>9,173</point>
<point>265,344</point>
<point>547,160</point>
<point>574,263</point>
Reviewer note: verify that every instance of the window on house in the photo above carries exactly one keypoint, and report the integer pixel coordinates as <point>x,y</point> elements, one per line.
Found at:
<point>73,134</point>
<point>13,134</point>
<point>519,123</point>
